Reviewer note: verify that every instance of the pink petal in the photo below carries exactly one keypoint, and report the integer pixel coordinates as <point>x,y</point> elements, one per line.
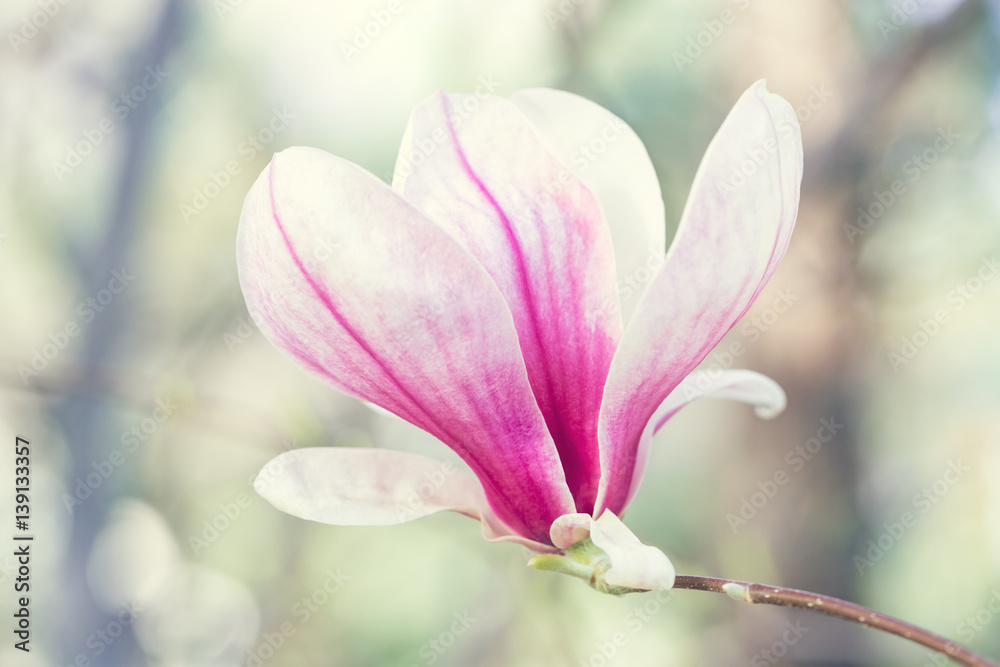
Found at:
<point>749,387</point>
<point>609,158</point>
<point>731,238</point>
<point>372,297</point>
<point>375,487</point>
<point>477,168</point>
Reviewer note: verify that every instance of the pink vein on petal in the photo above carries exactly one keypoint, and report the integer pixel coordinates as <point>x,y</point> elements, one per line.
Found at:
<point>524,284</point>
<point>328,304</point>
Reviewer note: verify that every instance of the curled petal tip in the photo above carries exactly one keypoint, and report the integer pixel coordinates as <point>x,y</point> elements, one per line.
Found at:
<point>770,410</point>
<point>767,411</point>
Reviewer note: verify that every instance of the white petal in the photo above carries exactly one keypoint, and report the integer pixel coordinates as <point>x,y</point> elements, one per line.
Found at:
<point>733,233</point>
<point>610,159</point>
<point>369,295</point>
<point>365,487</point>
<point>633,564</point>
<point>489,182</point>
<point>376,487</point>
<point>750,387</point>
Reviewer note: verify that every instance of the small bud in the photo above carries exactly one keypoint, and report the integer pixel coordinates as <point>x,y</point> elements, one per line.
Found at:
<point>736,591</point>
<point>609,557</point>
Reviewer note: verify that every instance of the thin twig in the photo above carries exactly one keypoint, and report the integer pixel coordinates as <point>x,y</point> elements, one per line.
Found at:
<point>789,597</point>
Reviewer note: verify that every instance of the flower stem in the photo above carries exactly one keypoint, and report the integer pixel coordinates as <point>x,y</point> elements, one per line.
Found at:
<point>789,597</point>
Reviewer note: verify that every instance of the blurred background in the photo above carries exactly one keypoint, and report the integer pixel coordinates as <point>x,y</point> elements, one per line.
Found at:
<point>130,133</point>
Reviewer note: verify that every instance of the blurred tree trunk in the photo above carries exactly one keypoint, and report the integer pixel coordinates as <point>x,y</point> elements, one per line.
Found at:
<point>89,423</point>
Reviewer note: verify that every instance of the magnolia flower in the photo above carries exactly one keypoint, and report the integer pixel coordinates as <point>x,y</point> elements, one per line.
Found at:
<point>509,294</point>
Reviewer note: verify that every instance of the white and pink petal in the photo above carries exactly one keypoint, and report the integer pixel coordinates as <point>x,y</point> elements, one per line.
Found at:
<point>615,560</point>
<point>476,166</point>
<point>375,487</point>
<point>610,159</point>
<point>372,297</point>
<point>733,233</point>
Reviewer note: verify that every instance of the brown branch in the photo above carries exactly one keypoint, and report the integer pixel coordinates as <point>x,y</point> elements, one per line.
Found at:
<point>848,611</point>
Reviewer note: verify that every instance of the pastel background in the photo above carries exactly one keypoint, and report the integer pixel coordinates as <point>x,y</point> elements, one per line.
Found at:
<point>130,133</point>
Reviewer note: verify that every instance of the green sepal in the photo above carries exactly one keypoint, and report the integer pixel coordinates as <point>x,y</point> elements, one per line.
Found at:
<point>584,560</point>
